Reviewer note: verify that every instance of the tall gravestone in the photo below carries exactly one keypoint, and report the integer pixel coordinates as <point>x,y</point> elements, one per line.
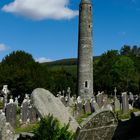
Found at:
<point>125,104</point>
<point>25,111</point>
<point>11,109</point>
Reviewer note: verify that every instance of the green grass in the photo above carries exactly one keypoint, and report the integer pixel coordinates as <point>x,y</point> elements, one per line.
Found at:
<point>122,116</point>
<point>82,117</point>
<point>1,105</point>
<point>28,128</point>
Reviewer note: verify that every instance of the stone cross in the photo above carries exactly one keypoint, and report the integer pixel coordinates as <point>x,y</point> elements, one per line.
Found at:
<point>5,92</point>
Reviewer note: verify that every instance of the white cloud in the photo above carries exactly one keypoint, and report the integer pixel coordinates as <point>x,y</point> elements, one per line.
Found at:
<point>41,9</point>
<point>3,47</point>
<point>43,59</point>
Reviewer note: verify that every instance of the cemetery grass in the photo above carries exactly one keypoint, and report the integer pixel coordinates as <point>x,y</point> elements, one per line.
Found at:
<point>121,116</point>
<point>82,117</point>
<point>1,105</point>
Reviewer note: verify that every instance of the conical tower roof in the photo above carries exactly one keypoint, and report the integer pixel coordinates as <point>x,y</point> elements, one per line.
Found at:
<point>85,1</point>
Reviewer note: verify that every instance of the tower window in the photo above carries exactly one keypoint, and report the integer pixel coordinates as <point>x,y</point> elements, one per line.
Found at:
<point>80,8</point>
<point>86,84</point>
<point>90,8</point>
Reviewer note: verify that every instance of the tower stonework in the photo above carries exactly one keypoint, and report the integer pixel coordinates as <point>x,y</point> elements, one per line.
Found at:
<point>85,58</point>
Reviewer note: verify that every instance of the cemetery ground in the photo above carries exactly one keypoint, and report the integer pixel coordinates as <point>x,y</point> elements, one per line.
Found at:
<point>114,116</point>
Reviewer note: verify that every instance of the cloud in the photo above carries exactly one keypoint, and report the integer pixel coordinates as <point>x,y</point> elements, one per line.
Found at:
<point>3,47</point>
<point>43,59</point>
<point>41,9</point>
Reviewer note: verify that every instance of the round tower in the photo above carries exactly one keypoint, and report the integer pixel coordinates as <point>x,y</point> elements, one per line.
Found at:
<point>85,58</point>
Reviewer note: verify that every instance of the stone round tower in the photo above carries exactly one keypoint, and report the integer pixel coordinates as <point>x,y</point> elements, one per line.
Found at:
<point>85,58</point>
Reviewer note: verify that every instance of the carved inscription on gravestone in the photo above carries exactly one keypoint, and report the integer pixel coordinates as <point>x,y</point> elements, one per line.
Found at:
<point>98,126</point>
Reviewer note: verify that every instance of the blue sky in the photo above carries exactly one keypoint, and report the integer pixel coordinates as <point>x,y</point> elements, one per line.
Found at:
<point>48,29</point>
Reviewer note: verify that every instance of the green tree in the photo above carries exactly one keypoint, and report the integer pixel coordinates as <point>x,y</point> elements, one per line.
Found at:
<point>124,73</point>
<point>125,50</point>
<point>102,71</point>
<point>20,72</point>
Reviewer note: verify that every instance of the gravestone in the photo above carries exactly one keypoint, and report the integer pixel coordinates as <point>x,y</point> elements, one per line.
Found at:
<point>79,108</point>
<point>87,107</point>
<point>46,103</point>
<point>25,111</point>
<point>94,105</point>
<point>117,105</point>
<point>98,126</point>
<point>6,131</point>
<point>11,109</point>
<point>99,98</point>
<point>32,114</point>
<point>125,105</point>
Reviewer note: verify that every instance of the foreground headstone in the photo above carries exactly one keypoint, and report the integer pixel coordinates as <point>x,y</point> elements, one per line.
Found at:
<point>98,126</point>
<point>6,131</point>
<point>46,103</point>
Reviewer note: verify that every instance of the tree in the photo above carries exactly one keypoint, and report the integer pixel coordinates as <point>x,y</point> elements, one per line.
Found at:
<point>102,71</point>
<point>125,50</point>
<point>20,72</point>
<point>124,75</point>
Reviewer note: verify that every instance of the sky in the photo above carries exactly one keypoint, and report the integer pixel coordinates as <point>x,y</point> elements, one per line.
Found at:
<point>48,29</point>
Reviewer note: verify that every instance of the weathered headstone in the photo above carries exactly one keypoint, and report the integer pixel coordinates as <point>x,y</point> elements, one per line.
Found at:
<point>98,126</point>
<point>32,114</point>
<point>94,105</point>
<point>46,103</point>
<point>11,109</point>
<point>125,105</point>
<point>79,108</point>
<point>117,105</point>
<point>87,107</point>
<point>99,98</point>
<point>6,131</point>
<point>25,111</point>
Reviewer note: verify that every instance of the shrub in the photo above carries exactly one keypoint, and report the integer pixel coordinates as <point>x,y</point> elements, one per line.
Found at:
<point>49,129</point>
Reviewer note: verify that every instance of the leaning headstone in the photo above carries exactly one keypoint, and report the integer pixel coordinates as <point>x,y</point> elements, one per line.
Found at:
<point>46,103</point>
<point>11,109</point>
<point>125,105</point>
<point>87,107</point>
